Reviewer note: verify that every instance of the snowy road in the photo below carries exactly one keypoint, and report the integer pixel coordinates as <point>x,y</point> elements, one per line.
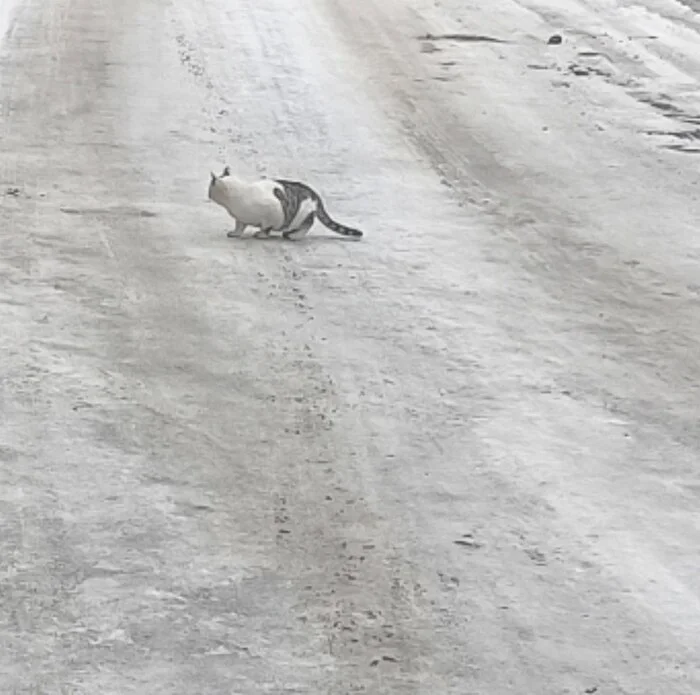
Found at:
<point>461,456</point>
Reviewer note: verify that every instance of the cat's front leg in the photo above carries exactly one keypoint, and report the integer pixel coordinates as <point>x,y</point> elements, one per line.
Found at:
<point>264,233</point>
<point>238,231</point>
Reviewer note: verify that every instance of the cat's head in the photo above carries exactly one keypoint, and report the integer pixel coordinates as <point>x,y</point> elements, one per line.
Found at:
<point>216,180</point>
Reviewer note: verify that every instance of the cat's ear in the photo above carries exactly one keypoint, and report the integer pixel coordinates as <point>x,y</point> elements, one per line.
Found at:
<point>213,177</point>
<point>226,172</point>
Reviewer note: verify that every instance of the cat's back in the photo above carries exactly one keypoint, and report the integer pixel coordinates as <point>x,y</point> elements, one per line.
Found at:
<point>247,191</point>
<point>263,187</point>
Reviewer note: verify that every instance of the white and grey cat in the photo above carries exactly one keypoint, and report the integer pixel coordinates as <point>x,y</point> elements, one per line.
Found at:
<point>271,205</point>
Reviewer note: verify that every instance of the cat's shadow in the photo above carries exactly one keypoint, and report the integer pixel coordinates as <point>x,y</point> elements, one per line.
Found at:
<point>320,239</point>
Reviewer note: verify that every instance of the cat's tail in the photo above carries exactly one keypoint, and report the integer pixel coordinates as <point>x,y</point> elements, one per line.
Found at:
<point>334,226</point>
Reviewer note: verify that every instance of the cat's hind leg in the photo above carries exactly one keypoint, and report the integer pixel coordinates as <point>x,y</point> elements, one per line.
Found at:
<point>238,231</point>
<point>303,229</point>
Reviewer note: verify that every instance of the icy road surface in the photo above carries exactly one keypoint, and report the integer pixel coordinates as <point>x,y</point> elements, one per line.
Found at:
<point>460,457</point>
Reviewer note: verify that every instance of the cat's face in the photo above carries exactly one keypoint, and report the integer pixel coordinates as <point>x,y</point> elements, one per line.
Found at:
<point>215,181</point>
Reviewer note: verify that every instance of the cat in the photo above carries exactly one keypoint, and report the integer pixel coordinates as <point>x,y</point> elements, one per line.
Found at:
<point>290,207</point>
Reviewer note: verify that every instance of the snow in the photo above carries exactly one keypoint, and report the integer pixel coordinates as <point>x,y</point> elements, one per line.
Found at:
<point>458,456</point>
<point>7,8</point>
